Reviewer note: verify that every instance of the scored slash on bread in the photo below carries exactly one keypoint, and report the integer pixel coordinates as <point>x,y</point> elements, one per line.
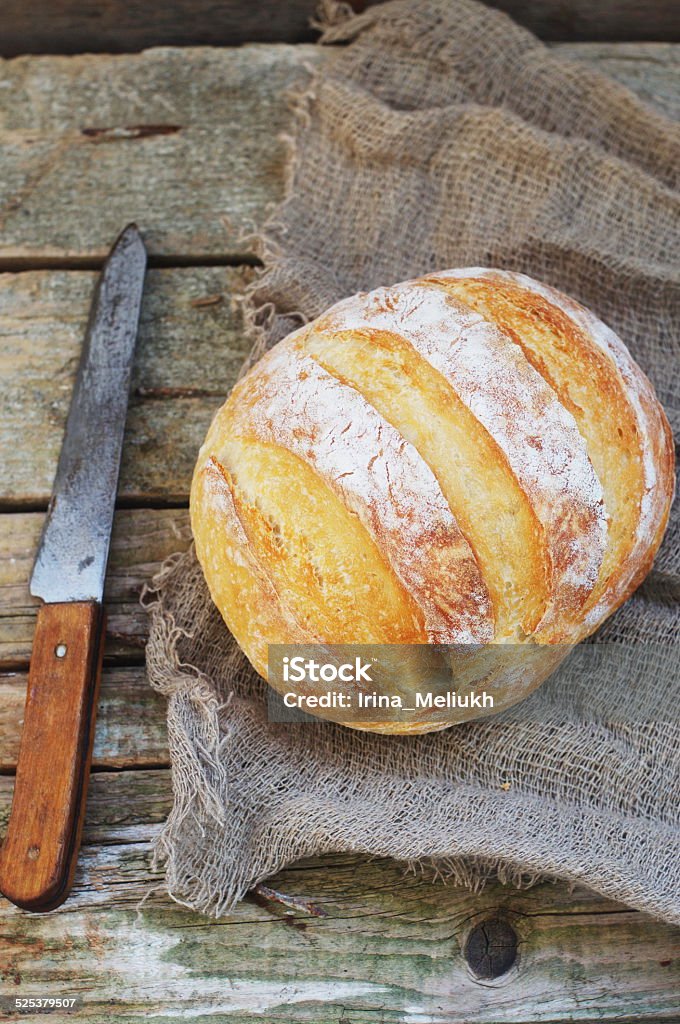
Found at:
<point>468,457</point>
<point>536,437</point>
<point>380,478</point>
<point>625,429</point>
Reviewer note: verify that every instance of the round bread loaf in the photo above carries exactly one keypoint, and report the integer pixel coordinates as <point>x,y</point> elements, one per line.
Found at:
<point>467,458</point>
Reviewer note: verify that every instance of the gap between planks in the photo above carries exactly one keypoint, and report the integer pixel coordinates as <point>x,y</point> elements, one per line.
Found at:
<point>128,502</point>
<point>155,261</point>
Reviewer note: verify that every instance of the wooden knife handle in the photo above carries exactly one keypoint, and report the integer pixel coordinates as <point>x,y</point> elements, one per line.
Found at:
<point>39,854</point>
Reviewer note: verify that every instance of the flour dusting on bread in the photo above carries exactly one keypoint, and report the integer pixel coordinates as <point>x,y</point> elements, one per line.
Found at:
<point>381,478</point>
<point>406,434</point>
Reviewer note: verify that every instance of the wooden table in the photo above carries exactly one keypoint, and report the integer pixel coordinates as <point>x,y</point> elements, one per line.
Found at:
<point>185,142</point>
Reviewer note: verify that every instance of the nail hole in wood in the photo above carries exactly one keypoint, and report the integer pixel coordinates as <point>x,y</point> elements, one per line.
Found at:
<point>33,852</point>
<point>60,650</point>
<point>491,948</point>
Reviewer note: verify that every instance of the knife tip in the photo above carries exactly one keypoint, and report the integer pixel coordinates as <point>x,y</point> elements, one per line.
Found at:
<point>129,236</point>
<point>131,231</point>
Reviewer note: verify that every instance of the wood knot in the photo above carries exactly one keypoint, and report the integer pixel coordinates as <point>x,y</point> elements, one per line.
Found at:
<point>491,948</point>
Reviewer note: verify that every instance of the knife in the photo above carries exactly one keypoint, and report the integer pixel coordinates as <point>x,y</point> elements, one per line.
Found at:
<point>38,857</point>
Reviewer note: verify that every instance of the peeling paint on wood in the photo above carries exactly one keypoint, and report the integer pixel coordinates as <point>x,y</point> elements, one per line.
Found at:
<point>389,943</point>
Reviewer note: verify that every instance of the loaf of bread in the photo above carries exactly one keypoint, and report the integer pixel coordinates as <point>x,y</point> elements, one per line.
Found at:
<point>467,458</point>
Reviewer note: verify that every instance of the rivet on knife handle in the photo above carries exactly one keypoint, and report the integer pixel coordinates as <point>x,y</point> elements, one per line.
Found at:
<point>39,854</point>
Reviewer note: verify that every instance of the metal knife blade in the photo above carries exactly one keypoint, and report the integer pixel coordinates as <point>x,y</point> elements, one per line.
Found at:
<point>70,563</point>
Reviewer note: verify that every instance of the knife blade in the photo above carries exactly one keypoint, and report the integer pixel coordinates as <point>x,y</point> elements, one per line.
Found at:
<point>39,854</point>
<point>70,563</point>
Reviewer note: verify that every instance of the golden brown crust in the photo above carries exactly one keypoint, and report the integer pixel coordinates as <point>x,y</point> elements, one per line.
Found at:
<point>387,471</point>
<point>238,584</point>
<point>493,513</point>
<point>588,384</point>
<point>508,397</point>
<point>379,477</point>
<point>628,434</point>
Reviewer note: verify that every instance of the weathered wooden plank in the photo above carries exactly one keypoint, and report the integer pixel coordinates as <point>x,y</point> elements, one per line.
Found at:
<point>126,806</point>
<point>123,806</point>
<point>130,731</point>
<point>652,70</point>
<point>67,26</point>
<point>191,346</point>
<point>601,963</point>
<point>185,141</point>
<point>141,539</point>
<point>184,349</point>
<point>387,946</point>
<point>653,20</point>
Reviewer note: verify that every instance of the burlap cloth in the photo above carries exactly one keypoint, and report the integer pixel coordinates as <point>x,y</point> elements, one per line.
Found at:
<point>440,134</point>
